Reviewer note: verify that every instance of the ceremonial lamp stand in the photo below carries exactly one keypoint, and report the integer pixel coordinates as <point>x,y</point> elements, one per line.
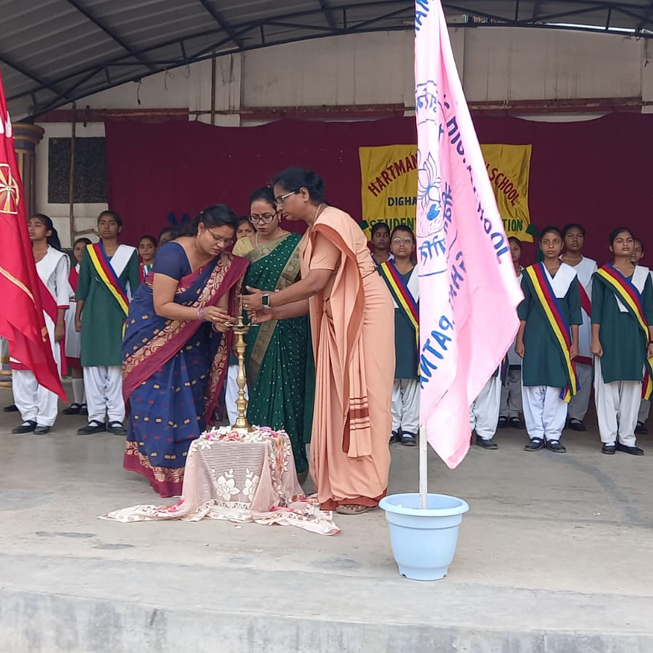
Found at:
<point>239,330</point>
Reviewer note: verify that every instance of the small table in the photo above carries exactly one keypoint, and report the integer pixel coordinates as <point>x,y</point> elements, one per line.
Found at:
<point>240,476</point>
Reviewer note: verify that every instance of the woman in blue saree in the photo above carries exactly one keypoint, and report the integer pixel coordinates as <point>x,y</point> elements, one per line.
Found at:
<point>279,359</point>
<point>176,347</point>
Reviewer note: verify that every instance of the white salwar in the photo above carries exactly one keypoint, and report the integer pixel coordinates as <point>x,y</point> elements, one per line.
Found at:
<point>545,413</point>
<point>617,405</point>
<point>580,401</point>
<point>34,402</point>
<point>644,410</point>
<point>405,405</point>
<point>484,411</point>
<point>103,385</point>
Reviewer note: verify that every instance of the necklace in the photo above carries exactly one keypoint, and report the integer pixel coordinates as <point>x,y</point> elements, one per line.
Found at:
<point>281,232</point>
<point>317,212</point>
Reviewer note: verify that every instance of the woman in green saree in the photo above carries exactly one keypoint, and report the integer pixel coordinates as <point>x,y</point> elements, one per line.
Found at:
<point>279,359</point>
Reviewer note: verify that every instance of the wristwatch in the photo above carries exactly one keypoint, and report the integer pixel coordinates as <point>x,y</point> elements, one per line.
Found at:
<point>265,301</point>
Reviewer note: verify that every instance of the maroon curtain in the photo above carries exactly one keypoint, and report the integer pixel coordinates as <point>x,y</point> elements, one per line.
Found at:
<point>595,172</point>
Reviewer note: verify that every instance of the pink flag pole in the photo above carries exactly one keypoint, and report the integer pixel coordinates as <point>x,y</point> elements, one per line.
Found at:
<point>467,286</point>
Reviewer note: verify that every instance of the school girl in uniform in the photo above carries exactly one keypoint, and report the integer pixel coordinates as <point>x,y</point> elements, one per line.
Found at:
<point>622,342</point>
<point>574,239</point>
<point>400,275</point>
<point>38,405</point>
<point>108,275</point>
<point>645,404</point>
<point>547,342</point>
<point>146,251</point>
<point>73,337</point>
<point>380,242</point>
<point>511,403</point>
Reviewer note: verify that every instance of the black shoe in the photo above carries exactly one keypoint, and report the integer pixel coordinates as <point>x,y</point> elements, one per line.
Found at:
<point>117,428</point>
<point>41,430</point>
<point>503,422</point>
<point>516,423</point>
<point>608,449</point>
<point>92,427</point>
<point>640,429</point>
<point>10,409</point>
<point>486,444</point>
<point>576,425</point>
<point>73,409</point>
<point>534,445</point>
<point>395,437</point>
<point>408,439</point>
<point>26,427</point>
<point>555,446</point>
<point>633,451</point>
<point>83,410</point>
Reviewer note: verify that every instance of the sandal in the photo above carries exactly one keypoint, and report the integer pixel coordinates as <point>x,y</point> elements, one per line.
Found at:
<point>353,509</point>
<point>73,409</point>
<point>408,439</point>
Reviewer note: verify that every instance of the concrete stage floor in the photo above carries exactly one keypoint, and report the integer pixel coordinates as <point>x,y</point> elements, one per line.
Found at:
<point>555,555</point>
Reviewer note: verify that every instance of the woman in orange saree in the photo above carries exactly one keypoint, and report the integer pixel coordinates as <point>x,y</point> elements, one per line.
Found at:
<point>352,326</point>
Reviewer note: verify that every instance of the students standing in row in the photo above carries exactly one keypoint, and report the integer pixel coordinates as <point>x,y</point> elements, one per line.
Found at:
<point>645,404</point>
<point>574,239</point>
<point>380,242</point>
<point>147,251</point>
<point>73,337</point>
<point>547,341</point>
<point>38,405</point>
<point>511,402</point>
<point>108,276</point>
<point>622,342</point>
<point>400,275</point>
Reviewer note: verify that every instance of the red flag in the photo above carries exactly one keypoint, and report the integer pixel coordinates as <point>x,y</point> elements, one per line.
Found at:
<point>21,315</point>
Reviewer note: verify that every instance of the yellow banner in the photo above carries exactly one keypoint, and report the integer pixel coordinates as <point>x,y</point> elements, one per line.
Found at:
<point>509,168</point>
<point>389,185</point>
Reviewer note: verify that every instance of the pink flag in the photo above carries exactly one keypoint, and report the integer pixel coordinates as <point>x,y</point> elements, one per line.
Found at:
<point>467,285</point>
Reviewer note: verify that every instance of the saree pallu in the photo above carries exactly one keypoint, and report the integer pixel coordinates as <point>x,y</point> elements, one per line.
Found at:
<point>353,339</point>
<point>172,373</point>
<point>279,359</point>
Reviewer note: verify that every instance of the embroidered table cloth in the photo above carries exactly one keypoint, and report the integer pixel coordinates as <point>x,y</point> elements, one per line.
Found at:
<point>241,477</point>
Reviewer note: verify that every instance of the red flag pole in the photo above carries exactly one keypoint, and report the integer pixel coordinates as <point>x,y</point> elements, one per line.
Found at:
<point>22,321</point>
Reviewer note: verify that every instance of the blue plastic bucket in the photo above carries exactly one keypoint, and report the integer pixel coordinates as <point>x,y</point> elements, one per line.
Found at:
<point>423,541</point>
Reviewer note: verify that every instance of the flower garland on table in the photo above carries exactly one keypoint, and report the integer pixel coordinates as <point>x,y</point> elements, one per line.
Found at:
<point>228,434</point>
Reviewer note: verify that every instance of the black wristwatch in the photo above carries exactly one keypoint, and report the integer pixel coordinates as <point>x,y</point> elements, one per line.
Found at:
<point>265,301</point>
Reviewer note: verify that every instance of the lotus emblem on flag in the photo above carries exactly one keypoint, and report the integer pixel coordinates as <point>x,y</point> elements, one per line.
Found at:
<point>9,191</point>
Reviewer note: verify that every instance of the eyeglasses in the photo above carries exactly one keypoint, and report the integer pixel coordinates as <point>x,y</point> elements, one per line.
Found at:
<point>219,240</point>
<point>264,217</point>
<point>282,198</point>
<point>406,240</point>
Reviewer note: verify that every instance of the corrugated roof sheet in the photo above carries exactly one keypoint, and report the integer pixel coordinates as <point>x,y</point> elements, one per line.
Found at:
<point>56,51</point>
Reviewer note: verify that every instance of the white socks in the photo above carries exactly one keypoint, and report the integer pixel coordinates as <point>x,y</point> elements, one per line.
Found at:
<point>79,396</point>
